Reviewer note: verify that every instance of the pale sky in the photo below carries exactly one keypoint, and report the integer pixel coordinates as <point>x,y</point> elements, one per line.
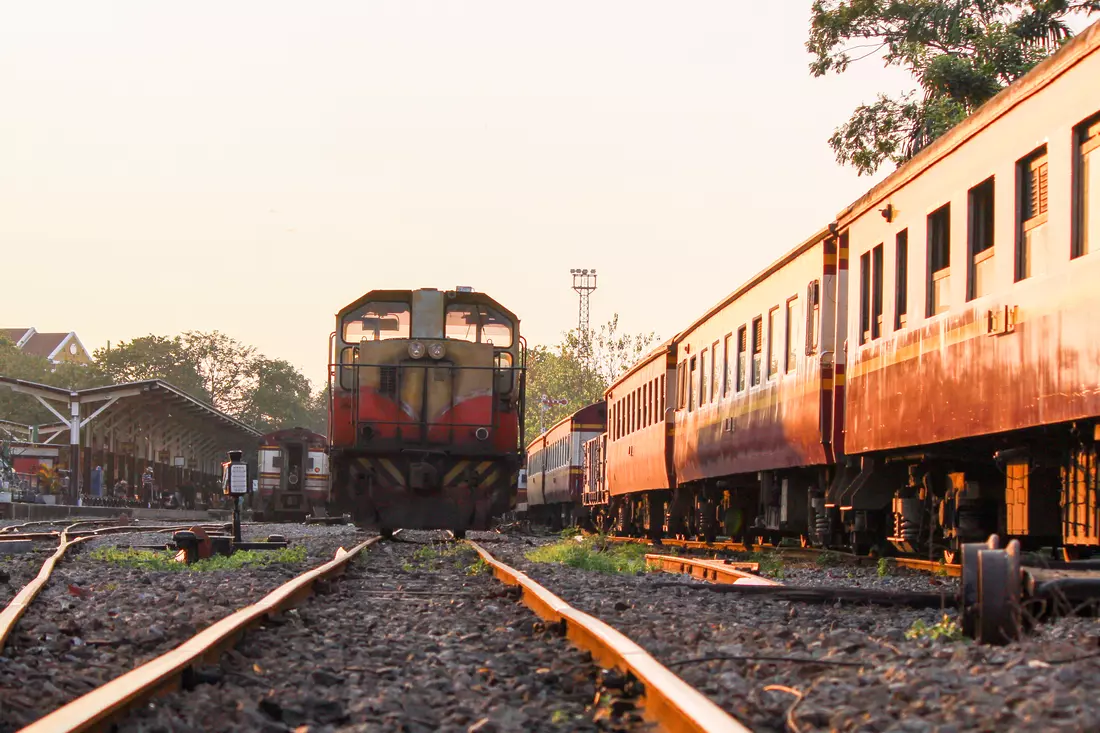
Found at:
<point>253,166</point>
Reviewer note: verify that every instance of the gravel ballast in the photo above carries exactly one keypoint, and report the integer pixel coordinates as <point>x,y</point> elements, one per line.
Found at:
<point>96,620</point>
<point>870,676</point>
<point>410,639</point>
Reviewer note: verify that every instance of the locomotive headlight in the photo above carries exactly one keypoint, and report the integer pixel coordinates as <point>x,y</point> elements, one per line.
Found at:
<point>416,350</point>
<point>437,351</point>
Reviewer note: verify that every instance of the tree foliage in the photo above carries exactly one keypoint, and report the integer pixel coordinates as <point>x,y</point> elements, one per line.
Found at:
<point>577,370</point>
<point>961,52</point>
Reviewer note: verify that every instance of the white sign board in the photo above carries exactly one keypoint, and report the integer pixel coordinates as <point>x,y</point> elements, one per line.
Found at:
<point>238,478</point>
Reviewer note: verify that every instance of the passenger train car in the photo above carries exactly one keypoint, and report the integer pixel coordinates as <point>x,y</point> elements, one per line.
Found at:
<point>293,475</point>
<point>922,372</point>
<point>555,466</point>
<point>427,409</point>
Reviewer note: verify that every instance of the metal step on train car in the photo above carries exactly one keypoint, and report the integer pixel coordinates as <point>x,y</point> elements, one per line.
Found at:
<point>427,409</point>
<point>293,481</point>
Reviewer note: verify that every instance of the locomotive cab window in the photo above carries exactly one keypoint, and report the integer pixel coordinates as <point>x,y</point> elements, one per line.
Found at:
<point>478,324</point>
<point>980,241</point>
<point>939,261</point>
<point>1086,198</point>
<point>1032,256</point>
<point>378,322</point>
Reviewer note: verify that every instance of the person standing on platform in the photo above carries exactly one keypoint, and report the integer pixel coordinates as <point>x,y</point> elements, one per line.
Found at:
<point>97,481</point>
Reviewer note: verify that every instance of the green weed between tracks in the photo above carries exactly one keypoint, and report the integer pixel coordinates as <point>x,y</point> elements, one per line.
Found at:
<point>593,553</point>
<point>946,628</point>
<point>164,561</point>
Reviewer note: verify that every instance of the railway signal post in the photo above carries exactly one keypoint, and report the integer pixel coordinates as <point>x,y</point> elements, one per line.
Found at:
<point>235,484</point>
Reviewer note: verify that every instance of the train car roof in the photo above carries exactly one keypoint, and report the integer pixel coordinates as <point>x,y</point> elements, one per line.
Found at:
<point>300,433</point>
<point>756,279</point>
<point>454,296</point>
<point>1013,95</point>
<point>567,418</point>
<point>661,350</point>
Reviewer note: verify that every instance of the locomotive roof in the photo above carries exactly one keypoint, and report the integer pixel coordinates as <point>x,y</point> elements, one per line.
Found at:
<point>1015,94</point>
<point>456,296</point>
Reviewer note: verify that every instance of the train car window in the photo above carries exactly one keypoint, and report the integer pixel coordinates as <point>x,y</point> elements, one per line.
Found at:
<point>791,335</point>
<point>692,384</point>
<point>901,278</point>
<point>641,407</point>
<point>727,366</point>
<point>1086,198</point>
<point>661,396</point>
<point>773,342</point>
<point>876,292</point>
<point>980,240</point>
<point>757,349</point>
<point>478,324</point>
<point>1031,215</point>
<point>378,322</point>
<point>939,261</point>
<point>865,297</point>
<point>742,357</point>
<point>813,309</point>
<point>704,385</point>
<point>715,372</point>
<point>277,461</point>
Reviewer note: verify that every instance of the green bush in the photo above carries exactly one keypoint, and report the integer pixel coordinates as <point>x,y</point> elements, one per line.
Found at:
<point>156,560</point>
<point>594,553</point>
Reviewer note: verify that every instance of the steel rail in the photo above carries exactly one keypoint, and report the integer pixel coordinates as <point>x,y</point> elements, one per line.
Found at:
<point>23,599</point>
<point>927,566</point>
<point>714,571</point>
<point>15,609</point>
<point>113,529</point>
<point>164,673</point>
<point>673,704</point>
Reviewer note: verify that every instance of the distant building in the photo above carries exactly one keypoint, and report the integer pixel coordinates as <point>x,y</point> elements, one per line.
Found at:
<point>57,347</point>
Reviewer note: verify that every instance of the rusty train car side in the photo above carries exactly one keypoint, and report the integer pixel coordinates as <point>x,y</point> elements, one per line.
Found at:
<point>947,385</point>
<point>638,447</point>
<point>975,380</point>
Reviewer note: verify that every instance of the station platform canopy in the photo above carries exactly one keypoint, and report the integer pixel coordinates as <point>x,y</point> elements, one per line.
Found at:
<point>125,428</point>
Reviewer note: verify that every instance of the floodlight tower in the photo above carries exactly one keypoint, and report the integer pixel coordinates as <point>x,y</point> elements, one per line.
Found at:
<point>584,283</point>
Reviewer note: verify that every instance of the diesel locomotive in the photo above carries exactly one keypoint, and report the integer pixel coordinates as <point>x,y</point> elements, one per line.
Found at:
<point>426,409</point>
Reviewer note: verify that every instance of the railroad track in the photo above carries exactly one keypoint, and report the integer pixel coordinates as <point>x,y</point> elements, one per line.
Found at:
<point>824,651</point>
<point>100,613</point>
<point>414,634</point>
<point>952,570</point>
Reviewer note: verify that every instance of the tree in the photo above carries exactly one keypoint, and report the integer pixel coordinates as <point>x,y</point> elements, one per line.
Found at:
<point>224,366</point>
<point>152,357</point>
<point>577,370</point>
<point>281,396</point>
<point>961,52</point>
